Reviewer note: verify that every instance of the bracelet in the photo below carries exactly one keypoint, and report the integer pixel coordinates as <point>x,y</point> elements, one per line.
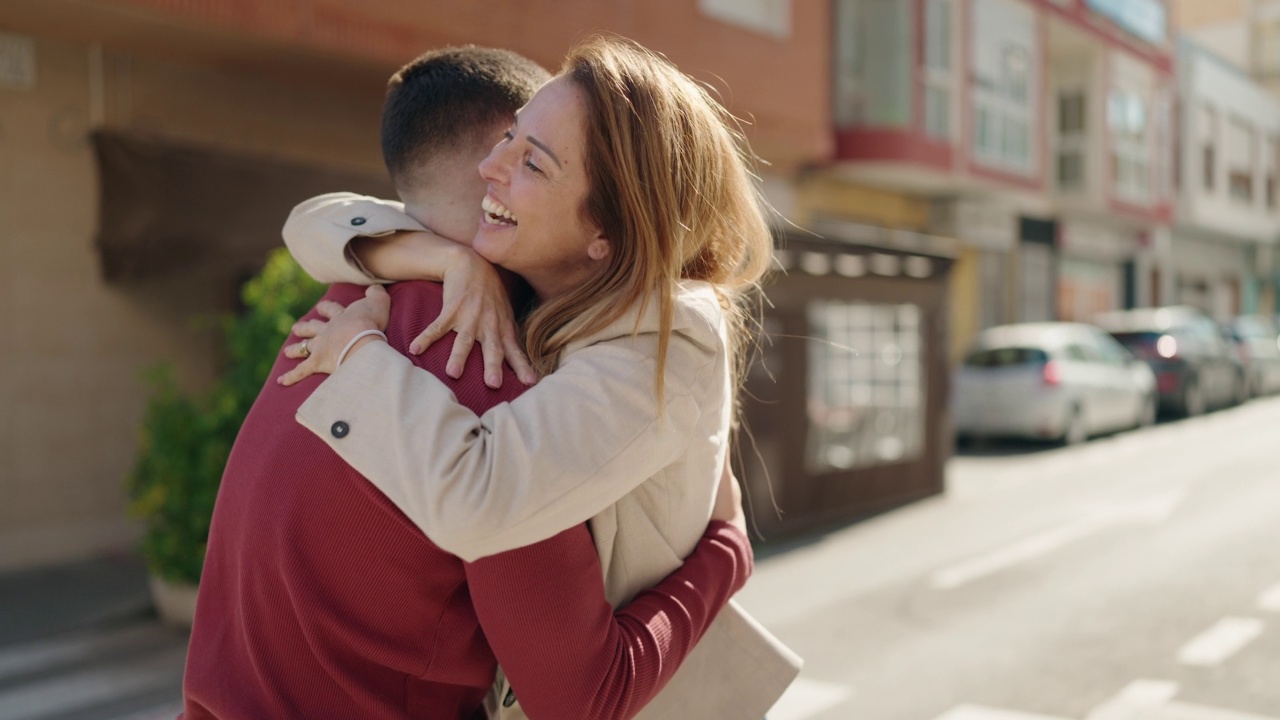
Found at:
<point>355,339</point>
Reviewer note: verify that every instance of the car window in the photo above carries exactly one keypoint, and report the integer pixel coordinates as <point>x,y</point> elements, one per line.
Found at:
<point>1006,357</point>
<point>1111,351</point>
<point>1081,353</point>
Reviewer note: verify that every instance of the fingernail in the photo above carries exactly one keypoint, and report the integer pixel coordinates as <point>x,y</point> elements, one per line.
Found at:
<point>493,381</point>
<point>414,349</point>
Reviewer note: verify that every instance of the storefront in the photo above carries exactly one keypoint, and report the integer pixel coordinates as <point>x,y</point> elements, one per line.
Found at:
<point>847,403</point>
<point>1211,272</point>
<point>1092,276</point>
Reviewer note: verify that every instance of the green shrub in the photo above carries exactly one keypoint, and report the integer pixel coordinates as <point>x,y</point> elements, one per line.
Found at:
<point>184,440</point>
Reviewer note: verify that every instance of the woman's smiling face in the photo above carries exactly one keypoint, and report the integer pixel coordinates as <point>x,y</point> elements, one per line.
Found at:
<point>534,222</point>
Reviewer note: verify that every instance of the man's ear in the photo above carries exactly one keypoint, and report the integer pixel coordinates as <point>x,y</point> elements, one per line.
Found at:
<point>599,248</point>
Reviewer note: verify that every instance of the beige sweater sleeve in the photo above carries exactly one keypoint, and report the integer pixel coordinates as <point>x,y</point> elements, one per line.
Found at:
<point>571,446</point>
<point>319,232</point>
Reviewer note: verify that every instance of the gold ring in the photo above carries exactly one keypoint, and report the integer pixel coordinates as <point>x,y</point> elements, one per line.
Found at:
<point>306,351</point>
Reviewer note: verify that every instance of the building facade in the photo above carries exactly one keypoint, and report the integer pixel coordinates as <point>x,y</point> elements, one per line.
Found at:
<point>1228,209</point>
<point>1038,130</point>
<point>150,150</point>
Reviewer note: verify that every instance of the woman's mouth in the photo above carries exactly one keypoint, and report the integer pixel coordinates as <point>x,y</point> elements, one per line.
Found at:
<point>495,213</point>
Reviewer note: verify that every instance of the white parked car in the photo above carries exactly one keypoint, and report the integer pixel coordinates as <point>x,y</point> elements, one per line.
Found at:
<point>1051,381</point>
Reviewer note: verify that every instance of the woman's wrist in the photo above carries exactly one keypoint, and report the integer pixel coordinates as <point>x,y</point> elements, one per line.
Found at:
<point>360,340</point>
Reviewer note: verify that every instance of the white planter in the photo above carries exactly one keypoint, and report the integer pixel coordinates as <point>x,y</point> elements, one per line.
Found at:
<point>175,602</point>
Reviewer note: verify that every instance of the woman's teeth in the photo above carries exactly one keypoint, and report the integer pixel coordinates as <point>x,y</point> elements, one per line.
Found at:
<point>495,213</point>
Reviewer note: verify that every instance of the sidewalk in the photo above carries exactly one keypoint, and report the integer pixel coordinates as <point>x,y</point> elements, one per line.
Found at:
<point>81,641</point>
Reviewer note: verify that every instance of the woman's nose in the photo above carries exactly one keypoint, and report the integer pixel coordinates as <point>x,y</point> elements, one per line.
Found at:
<point>491,168</point>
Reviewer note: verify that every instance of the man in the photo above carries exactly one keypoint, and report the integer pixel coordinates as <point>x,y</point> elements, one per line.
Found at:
<point>320,599</point>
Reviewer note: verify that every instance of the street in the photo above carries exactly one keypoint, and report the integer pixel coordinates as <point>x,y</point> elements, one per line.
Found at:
<point>1134,576</point>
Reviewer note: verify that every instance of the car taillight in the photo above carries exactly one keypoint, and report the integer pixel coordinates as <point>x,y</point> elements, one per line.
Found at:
<point>1052,373</point>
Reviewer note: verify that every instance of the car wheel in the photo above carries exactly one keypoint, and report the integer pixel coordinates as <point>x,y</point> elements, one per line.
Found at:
<point>1075,432</point>
<point>1242,392</point>
<point>1150,408</point>
<point>1192,399</point>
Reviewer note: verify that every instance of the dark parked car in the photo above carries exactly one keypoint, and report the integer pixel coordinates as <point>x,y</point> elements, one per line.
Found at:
<point>1196,368</point>
<point>1258,343</point>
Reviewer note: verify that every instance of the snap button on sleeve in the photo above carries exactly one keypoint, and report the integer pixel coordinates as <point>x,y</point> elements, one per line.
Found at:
<point>340,429</point>
<point>358,221</point>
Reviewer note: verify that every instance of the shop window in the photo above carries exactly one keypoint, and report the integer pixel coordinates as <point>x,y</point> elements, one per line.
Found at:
<point>873,74</point>
<point>1240,158</point>
<point>866,387</point>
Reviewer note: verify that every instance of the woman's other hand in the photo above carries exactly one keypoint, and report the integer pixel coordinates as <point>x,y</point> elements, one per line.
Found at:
<point>478,308</point>
<point>728,505</point>
<point>324,340</point>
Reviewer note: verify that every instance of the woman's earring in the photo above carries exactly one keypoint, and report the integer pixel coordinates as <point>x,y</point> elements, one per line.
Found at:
<point>598,249</point>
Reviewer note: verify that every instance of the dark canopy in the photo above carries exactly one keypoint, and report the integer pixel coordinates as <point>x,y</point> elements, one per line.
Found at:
<point>167,206</point>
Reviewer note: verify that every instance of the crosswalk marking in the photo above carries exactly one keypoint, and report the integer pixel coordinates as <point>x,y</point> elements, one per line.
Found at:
<point>1188,711</point>
<point>980,712</point>
<point>806,698</point>
<point>1150,509</point>
<point>1135,700</point>
<point>1269,600</point>
<point>1153,709</point>
<point>1215,645</point>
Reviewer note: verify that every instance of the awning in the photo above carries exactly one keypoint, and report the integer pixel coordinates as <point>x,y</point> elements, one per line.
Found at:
<point>168,206</point>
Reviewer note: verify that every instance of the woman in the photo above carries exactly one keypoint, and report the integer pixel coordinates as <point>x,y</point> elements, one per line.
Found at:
<point>623,198</point>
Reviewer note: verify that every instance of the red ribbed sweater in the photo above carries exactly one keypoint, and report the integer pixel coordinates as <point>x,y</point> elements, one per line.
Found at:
<point>320,599</point>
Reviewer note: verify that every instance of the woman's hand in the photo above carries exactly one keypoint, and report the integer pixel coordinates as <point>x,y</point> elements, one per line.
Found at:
<point>728,505</point>
<point>323,340</point>
<point>476,304</point>
<point>478,308</point>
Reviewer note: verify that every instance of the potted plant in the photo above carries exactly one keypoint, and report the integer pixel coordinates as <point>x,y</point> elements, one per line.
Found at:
<point>185,439</point>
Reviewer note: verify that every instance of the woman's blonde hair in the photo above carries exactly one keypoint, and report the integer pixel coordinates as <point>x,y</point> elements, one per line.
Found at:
<point>672,190</point>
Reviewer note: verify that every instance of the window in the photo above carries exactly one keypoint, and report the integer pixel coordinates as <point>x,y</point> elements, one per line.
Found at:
<point>770,17</point>
<point>873,63</point>
<point>1004,69</point>
<point>1240,154</point>
<point>1208,145</point>
<point>1270,161</point>
<point>1127,118</point>
<point>1165,143</point>
<point>1071,140</point>
<point>937,68</point>
<point>1266,47</point>
<point>866,387</point>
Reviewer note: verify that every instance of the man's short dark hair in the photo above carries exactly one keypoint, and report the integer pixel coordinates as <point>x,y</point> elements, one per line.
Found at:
<point>446,98</point>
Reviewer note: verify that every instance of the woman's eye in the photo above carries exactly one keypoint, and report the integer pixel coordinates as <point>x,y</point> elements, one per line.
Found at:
<point>529,164</point>
<point>508,135</point>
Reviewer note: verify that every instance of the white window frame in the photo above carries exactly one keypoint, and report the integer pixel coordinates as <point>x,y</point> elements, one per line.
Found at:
<point>1128,117</point>
<point>1074,143</point>
<point>938,68</point>
<point>1240,158</point>
<point>1010,118</point>
<point>1207,148</point>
